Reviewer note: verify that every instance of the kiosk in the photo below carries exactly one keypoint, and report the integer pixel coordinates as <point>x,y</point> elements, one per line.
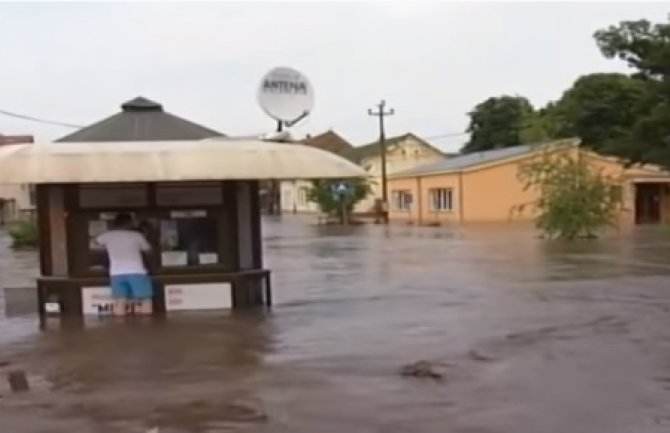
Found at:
<point>196,201</point>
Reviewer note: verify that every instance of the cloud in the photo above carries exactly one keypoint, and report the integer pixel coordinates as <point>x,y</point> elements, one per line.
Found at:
<point>432,61</point>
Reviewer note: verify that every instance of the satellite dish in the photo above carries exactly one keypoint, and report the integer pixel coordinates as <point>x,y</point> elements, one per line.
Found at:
<point>286,95</point>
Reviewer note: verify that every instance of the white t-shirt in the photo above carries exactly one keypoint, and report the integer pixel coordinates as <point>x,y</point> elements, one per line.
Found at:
<point>124,248</point>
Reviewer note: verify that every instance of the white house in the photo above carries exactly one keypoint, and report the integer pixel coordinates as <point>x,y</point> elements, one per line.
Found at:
<point>294,193</point>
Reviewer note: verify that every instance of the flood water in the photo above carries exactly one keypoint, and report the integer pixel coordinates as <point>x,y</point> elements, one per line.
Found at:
<point>532,337</point>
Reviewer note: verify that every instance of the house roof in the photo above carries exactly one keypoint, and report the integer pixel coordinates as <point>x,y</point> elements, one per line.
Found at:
<point>372,149</point>
<point>15,139</point>
<point>141,119</point>
<point>470,160</point>
<point>330,141</point>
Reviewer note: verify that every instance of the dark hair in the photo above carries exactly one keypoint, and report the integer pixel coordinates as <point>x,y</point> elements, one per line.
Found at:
<point>122,220</point>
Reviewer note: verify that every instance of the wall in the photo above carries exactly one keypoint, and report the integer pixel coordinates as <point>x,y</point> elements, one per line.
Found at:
<point>495,194</point>
<point>420,211</point>
<point>610,167</point>
<point>406,154</point>
<point>294,197</point>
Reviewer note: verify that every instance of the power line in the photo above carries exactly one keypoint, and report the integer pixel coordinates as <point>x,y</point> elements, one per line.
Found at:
<point>72,125</point>
<point>39,120</point>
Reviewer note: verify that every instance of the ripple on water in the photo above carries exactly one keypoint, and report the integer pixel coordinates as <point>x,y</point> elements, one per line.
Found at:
<point>353,305</point>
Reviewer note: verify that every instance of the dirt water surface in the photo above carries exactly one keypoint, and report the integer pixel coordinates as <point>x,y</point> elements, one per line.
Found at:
<point>531,337</point>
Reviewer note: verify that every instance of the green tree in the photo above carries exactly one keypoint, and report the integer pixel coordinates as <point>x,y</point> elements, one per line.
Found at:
<point>575,200</point>
<point>646,48</point>
<point>542,125</point>
<point>498,122</point>
<point>602,110</point>
<point>322,193</point>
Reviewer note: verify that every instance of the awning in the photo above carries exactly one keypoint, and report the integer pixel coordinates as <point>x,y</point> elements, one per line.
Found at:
<point>152,161</point>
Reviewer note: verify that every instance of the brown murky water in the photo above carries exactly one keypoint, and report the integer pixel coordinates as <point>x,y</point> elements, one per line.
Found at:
<point>534,337</point>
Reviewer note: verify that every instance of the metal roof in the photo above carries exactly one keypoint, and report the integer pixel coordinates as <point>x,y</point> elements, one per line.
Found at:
<point>141,119</point>
<point>469,160</point>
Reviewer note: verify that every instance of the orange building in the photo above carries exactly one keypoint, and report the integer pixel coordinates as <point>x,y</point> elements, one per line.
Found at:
<point>484,187</point>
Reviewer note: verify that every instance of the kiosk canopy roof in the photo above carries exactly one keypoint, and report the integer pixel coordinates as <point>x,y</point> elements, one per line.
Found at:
<point>156,161</point>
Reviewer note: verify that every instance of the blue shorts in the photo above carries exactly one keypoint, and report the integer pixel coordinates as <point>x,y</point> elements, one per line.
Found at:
<point>132,286</point>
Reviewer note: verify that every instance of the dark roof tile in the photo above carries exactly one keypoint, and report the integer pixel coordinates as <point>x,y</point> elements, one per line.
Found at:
<point>16,139</point>
<point>331,142</point>
<point>141,120</point>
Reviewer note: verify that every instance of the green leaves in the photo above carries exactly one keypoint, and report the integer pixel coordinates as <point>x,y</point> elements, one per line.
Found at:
<point>626,116</point>
<point>24,234</point>
<point>498,122</point>
<point>602,110</point>
<point>643,46</point>
<point>646,48</point>
<point>329,203</point>
<point>575,200</point>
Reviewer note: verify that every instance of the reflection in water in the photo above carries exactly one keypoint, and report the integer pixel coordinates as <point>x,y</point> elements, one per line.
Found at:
<point>537,336</point>
<point>154,351</point>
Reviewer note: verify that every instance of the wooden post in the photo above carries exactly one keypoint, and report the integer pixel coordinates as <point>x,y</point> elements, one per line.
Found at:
<point>248,292</point>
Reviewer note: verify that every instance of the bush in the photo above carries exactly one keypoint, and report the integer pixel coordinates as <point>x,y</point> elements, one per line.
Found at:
<point>322,194</point>
<point>576,200</point>
<point>24,234</point>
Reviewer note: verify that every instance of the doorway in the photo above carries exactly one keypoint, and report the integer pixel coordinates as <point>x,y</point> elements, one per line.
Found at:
<point>648,202</point>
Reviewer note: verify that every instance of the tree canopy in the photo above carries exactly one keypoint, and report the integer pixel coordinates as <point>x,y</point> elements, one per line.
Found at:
<point>497,122</point>
<point>617,114</point>
<point>602,110</point>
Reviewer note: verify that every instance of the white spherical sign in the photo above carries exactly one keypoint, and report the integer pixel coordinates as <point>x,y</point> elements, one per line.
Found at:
<point>285,94</point>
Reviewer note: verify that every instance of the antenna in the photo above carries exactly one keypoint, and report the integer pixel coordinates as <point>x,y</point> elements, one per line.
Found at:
<point>286,95</point>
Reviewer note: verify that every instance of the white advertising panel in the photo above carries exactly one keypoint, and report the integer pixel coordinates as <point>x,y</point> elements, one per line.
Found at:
<point>96,300</point>
<point>211,296</point>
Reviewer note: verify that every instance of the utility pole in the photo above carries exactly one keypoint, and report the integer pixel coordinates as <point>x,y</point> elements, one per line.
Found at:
<point>382,144</point>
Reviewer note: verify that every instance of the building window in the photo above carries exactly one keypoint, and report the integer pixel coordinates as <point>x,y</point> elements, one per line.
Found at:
<point>402,200</point>
<point>302,195</point>
<point>441,199</point>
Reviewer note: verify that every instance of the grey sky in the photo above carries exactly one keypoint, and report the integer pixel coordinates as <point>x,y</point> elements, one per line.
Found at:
<point>432,62</point>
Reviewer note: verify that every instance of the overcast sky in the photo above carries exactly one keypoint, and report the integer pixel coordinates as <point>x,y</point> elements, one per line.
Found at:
<point>432,62</point>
